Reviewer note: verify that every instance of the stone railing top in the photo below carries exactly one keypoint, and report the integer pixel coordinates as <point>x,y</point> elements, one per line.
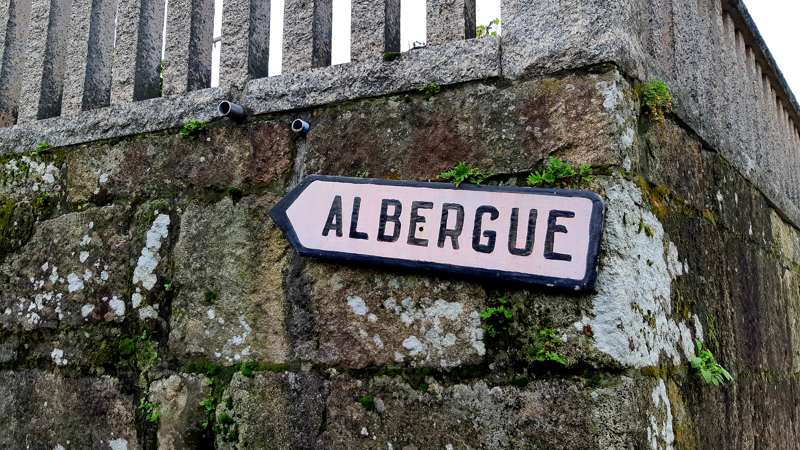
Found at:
<point>82,70</point>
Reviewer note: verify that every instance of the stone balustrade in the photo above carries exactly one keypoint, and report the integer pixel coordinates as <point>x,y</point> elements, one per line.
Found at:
<point>74,71</point>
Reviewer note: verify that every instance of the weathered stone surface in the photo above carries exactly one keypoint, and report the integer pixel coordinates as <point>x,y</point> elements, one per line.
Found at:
<point>455,62</point>
<point>303,410</point>
<point>786,238</point>
<point>45,411</point>
<point>246,42</point>
<point>256,156</point>
<point>73,271</point>
<point>80,17</point>
<point>136,72</point>
<point>177,399</point>
<point>229,263</point>
<point>115,121</point>
<point>375,29</point>
<point>759,411</point>
<point>272,411</point>
<point>632,317</point>
<point>365,318</point>
<point>508,130</point>
<point>450,20</point>
<point>43,71</point>
<point>552,414</point>
<point>307,35</point>
<point>14,16</point>
<point>190,32</point>
<point>559,35</point>
<point>87,77</point>
<point>30,176</point>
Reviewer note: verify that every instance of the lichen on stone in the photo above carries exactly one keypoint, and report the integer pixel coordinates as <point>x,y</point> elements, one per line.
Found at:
<point>660,432</point>
<point>144,273</point>
<point>632,318</point>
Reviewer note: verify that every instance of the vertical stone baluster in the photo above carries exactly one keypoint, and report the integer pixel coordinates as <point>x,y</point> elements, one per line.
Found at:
<point>375,28</point>
<point>5,19</point>
<point>43,67</point>
<point>136,73</point>
<point>245,41</point>
<point>87,80</point>
<point>307,34</point>
<point>14,23</point>
<point>190,28</point>
<point>450,20</point>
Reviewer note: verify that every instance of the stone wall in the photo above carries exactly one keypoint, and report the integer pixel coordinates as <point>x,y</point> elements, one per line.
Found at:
<point>147,301</point>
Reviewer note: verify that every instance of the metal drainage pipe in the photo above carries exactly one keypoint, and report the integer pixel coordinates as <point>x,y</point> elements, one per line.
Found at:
<point>233,111</point>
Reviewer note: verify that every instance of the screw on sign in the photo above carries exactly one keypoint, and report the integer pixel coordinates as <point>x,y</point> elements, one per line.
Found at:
<point>548,237</point>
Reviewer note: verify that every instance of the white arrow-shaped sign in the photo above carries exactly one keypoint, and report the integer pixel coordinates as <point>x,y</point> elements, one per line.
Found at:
<point>541,236</point>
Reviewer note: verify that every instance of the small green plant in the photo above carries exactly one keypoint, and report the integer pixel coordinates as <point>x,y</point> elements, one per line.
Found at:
<point>227,427</point>
<point>41,147</point>
<point>646,228</point>
<point>211,296</point>
<point>141,351</point>
<point>489,30</point>
<point>495,317</point>
<point>706,366</point>
<point>149,411</point>
<point>656,99</point>
<point>41,201</point>
<point>248,369</point>
<point>431,89</point>
<point>557,171</point>
<point>368,402</point>
<point>209,406</point>
<point>193,128</point>
<point>234,193</point>
<point>463,173</point>
<point>545,348</point>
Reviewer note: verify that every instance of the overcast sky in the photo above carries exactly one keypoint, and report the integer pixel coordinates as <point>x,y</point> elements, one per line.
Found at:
<point>778,21</point>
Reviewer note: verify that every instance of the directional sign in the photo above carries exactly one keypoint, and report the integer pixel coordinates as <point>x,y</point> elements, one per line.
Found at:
<point>540,236</point>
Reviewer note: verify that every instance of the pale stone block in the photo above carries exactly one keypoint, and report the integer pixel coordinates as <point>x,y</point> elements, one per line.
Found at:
<point>136,73</point>
<point>14,19</point>
<point>87,80</point>
<point>245,42</point>
<point>450,20</point>
<point>375,28</point>
<point>307,34</point>
<point>43,66</point>
<point>190,28</point>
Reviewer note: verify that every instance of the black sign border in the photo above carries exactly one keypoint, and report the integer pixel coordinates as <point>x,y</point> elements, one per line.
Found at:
<point>279,216</point>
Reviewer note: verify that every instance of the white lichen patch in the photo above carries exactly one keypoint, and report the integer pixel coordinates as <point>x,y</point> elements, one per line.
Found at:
<point>148,312</point>
<point>118,444</point>
<point>136,299</point>
<point>57,355</point>
<point>632,316</point>
<point>36,175</point>
<point>86,310</point>
<point>75,283</point>
<point>437,328</point>
<point>358,305</point>
<point>414,346</point>
<point>117,306</point>
<point>660,433</point>
<point>144,273</point>
<point>236,347</point>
